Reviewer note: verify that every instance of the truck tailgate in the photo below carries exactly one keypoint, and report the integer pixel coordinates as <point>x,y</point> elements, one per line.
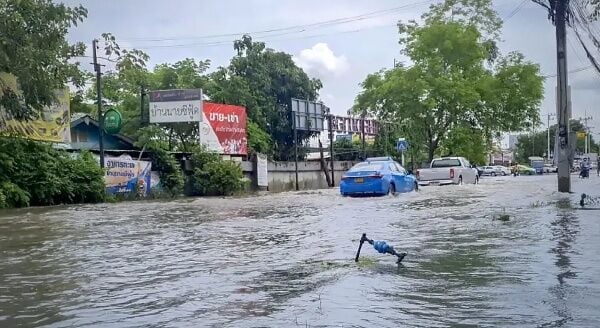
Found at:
<point>434,174</point>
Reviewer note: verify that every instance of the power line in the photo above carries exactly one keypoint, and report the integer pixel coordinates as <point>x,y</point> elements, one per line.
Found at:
<point>268,38</point>
<point>576,70</point>
<point>516,10</point>
<point>294,28</point>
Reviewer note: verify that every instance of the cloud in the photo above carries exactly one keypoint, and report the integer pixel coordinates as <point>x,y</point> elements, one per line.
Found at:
<point>321,61</point>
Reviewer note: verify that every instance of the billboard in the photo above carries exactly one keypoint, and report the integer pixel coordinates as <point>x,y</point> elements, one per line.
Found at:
<point>262,172</point>
<point>349,124</point>
<point>125,175</point>
<point>52,124</point>
<point>174,106</point>
<point>308,115</point>
<point>223,129</point>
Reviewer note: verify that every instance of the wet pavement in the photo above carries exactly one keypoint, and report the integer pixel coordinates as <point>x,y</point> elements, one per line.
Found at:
<point>286,260</point>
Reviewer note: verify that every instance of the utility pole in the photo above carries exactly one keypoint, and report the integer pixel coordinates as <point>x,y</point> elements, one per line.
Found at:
<point>362,130</point>
<point>585,119</point>
<point>142,94</point>
<point>99,94</point>
<point>331,156</point>
<point>550,115</point>
<point>563,149</point>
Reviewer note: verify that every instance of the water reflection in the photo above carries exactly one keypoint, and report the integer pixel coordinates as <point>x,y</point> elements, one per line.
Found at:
<point>564,231</point>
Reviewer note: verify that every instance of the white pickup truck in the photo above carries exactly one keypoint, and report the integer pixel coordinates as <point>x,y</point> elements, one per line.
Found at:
<point>448,170</point>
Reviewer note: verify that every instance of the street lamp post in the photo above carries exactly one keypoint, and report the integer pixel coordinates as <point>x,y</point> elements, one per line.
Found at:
<point>550,115</point>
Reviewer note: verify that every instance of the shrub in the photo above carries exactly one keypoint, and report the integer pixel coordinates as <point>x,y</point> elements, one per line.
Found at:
<point>212,176</point>
<point>171,177</point>
<point>34,173</point>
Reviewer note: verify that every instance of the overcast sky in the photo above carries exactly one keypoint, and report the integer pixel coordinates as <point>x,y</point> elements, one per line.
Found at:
<point>340,52</point>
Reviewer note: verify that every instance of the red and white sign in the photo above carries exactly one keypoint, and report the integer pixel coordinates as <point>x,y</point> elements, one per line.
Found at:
<point>223,129</point>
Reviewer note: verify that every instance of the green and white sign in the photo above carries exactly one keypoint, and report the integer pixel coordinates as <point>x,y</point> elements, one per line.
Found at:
<point>112,121</point>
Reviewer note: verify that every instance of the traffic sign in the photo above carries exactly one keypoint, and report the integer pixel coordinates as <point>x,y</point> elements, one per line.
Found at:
<point>401,145</point>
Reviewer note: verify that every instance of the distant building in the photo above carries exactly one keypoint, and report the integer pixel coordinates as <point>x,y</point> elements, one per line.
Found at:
<point>85,135</point>
<point>513,139</point>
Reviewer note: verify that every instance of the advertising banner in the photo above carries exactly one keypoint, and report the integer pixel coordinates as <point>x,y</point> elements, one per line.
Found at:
<point>173,106</point>
<point>53,123</point>
<point>223,129</point>
<point>262,173</point>
<point>125,175</point>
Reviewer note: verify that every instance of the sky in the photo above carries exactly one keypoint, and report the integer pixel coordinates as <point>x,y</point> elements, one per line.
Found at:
<point>337,41</point>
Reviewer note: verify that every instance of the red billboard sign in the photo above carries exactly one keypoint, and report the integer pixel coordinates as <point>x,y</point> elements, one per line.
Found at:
<point>223,129</point>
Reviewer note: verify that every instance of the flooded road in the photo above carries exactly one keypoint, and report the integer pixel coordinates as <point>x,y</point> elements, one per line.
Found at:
<point>286,260</point>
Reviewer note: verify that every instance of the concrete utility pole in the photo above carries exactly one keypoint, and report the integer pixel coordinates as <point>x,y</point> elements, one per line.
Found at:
<point>99,94</point>
<point>563,149</point>
<point>550,115</point>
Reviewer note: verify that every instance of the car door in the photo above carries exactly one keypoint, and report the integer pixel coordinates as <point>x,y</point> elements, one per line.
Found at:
<point>408,180</point>
<point>398,181</point>
<point>468,174</point>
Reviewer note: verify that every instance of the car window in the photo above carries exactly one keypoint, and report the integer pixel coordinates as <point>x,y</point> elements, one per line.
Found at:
<point>467,164</point>
<point>446,162</point>
<point>363,167</point>
<point>393,167</point>
<point>400,168</point>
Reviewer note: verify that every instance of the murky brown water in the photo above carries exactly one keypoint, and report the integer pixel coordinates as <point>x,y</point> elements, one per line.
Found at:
<point>286,260</point>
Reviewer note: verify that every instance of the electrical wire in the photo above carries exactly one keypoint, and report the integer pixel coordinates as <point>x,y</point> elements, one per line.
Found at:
<point>295,28</point>
<point>516,10</point>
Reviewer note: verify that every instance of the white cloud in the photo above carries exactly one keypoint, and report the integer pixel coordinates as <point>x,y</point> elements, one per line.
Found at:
<point>321,61</point>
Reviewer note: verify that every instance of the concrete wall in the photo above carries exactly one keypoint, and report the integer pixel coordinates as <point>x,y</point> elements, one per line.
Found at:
<point>282,176</point>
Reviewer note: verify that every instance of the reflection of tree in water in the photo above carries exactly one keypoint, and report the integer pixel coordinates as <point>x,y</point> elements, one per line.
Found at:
<point>564,230</point>
<point>33,270</point>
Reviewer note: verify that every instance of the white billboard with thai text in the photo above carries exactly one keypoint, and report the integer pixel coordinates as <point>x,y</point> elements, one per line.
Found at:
<point>173,106</point>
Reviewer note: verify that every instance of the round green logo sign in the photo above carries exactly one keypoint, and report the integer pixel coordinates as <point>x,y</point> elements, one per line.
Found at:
<point>112,121</point>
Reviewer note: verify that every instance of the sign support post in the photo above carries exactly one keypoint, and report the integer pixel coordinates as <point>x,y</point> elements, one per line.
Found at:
<point>402,146</point>
<point>331,157</point>
<point>296,153</point>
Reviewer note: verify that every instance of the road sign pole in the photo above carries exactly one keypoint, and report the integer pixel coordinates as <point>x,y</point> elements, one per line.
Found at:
<point>296,152</point>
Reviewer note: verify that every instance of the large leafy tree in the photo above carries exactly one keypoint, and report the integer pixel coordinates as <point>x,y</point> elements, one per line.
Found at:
<point>264,81</point>
<point>457,82</point>
<point>35,54</point>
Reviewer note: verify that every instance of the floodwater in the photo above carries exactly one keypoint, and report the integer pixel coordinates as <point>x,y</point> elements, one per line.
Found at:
<point>286,260</point>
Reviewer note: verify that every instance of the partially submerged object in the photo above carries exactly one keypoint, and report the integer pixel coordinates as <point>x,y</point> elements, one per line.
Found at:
<point>588,200</point>
<point>381,247</point>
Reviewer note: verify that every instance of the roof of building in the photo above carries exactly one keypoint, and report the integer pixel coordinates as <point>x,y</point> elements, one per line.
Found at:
<point>79,118</point>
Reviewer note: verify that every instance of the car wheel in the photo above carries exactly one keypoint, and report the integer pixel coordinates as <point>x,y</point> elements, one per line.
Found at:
<point>503,174</point>
<point>493,174</point>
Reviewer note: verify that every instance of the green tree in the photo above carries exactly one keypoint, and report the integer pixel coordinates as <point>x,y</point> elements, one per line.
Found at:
<point>35,56</point>
<point>153,139</point>
<point>457,80</point>
<point>536,144</point>
<point>264,81</point>
<point>468,142</point>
